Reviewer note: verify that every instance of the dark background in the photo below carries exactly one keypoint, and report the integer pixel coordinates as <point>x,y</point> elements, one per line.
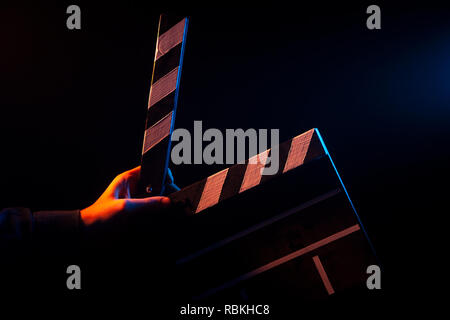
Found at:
<point>73,104</point>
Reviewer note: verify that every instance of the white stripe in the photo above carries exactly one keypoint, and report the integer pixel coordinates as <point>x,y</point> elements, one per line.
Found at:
<point>252,175</point>
<point>157,132</point>
<point>212,190</point>
<point>163,87</point>
<point>298,149</point>
<point>170,39</point>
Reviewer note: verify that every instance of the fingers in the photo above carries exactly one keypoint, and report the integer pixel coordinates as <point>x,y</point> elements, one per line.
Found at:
<point>131,176</point>
<point>132,205</point>
<point>133,172</point>
<point>123,184</point>
<point>132,180</point>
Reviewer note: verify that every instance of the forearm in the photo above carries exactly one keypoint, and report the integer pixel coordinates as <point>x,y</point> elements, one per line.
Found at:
<point>22,223</point>
<point>61,222</point>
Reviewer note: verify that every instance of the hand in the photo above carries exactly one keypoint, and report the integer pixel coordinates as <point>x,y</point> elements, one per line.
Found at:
<point>117,199</point>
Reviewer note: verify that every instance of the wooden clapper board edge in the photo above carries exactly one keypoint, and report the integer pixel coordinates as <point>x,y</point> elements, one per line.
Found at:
<point>229,183</point>
<point>162,103</point>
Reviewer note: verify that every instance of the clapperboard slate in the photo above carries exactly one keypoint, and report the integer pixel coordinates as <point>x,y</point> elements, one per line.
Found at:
<point>294,234</point>
<point>246,235</point>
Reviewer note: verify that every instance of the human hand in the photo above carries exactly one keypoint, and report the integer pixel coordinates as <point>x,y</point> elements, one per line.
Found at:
<point>117,199</point>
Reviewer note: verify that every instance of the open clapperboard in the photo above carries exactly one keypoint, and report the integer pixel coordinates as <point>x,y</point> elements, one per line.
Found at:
<point>246,235</point>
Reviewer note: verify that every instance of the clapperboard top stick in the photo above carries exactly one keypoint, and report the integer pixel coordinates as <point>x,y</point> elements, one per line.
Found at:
<point>162,103</point>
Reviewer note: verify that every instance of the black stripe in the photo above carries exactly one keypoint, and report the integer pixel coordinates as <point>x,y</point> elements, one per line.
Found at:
<point>154,169</point>
<point>188,198</point>
<point>167,21</point>
<point>167,62</point>
<point>315,149</point>
<point>283,154</point>
<point>233,181</point>
<point>160,109</point>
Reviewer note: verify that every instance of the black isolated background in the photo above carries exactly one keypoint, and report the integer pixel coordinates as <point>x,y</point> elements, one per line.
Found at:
<point>73,105</point>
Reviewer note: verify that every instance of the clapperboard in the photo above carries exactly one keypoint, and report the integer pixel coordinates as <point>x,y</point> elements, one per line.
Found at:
<point>246,235</point>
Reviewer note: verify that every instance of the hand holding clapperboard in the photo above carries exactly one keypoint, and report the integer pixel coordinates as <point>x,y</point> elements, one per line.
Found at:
<point>236,240</point>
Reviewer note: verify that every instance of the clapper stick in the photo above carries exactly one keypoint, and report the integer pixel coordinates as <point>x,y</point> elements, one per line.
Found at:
<point>242,177</point>
<point>162,103</point>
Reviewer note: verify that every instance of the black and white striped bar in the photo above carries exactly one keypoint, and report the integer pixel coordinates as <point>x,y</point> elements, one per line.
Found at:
<point>162,102</point>
<point>242,177</point>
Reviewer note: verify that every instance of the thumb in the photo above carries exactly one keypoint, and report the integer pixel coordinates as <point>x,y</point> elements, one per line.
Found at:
<point>146,203</point>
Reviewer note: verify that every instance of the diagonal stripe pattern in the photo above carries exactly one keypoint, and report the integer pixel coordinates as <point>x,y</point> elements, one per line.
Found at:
<point>169,39</point>
<point>162,102</point>
<point>157,132</point>
<point>163,87</point>
<point>222,185</point>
